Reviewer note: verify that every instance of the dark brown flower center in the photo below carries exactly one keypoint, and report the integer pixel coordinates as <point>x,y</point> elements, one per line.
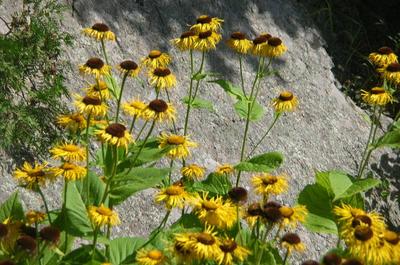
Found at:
<point>180,249</point>
<point>286,96</point>
<point>7,262</point>
<point>50,234</point>
<point>205,239</point>
<point>128,65</point>
<point>352,262</point>
<point>391,237</point>
<point>209,205</point>
<point>158,105</point>
<point>228,246</point>
<point>291,238</point>
<point>385,50</point>
<point>254,209</point>
<point>272,214</point>
<point>116,130</point>
<point>162,72</point>
<point>238,194</point>
<point>94,63</point>
<point>361,219</point>
<point>88,100</point>
<point>187,34</point>
<point>260,39</point>
<point>270,180</point>
<point>266,35</point>
<point>37,174</point>
<point>272,204</point>
<point>205,34</point>
<point>203,19</point>
<point>332,259</point>
<point>27,243</point>
<point>3,230</point>
<point>100,27</point>
<point>363,233</point>
<point>238,35</point>
<point>393,67</point>
<point>377,90</point>
<point>274,41</point>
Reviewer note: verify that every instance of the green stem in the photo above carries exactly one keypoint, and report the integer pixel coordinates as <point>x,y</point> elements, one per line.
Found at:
<point>169,101</point>
<point>113,172</point>
<point>132,124</point>
<point>158,229</point>
<point>45,204</point>
<point>170,172</point>
<point>142,146</point>
<point>241,74</point>
<point>120,95</point>
<point>141,130</point>
<point>286,257</point>
<point>87,159</point>
<point>190,94</point>
<point>95,234</point>
<point>103,48</point>
<point>238,218</point>
<point>266,133</point>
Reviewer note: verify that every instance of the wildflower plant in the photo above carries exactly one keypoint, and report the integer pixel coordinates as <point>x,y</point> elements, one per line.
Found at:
<point>217,225</point>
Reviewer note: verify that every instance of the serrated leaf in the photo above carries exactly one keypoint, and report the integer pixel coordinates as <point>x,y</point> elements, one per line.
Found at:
<point>12,208</point>
<point>242,107</point>
<point>199,103</point>
<point>261,163</point>
<point>215,184</point>
<point>230,88</point>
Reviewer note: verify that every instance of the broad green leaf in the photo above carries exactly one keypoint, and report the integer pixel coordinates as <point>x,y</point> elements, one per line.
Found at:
<point>320,218</point>
<point>242,106</point>
<point>84,256</point>
<point>215,184</point>
<point>12,207</point>
<point>112,86</point>
<point>230,88</point>
<point>199,103</point>
<point>390,139</point>
<point>96,188</point>
<point>261,163</point>
<point>123,247</point>
<point>340,182</point>
<point>74,219</point>
<point>51,257</point>
<point>359,186</point>
<point>199,76</point>
<point>188,220</point>
<point>356,201</point>
<point>126,184</point>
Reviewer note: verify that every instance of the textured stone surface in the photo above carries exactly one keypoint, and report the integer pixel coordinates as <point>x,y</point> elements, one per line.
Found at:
<point>326,132</point>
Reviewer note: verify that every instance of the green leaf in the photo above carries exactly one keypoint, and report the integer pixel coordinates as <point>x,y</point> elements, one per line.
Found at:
<point>215,184</point>
<point>96,188</point>
<point>74,219</point>
<point>199,103</point>
<point>127,184</point>
<point>320,218</point>
<point>112,85</point>
<point>230,88</point>
<point>261,163</point>
<point>83,256</point>
<point>335,182</point>
<point>257,111</point>
<point>359,186</point>
<point>390,139</point>
<point>199,76</point>
<point>123,247</point>
<point>50,256</point>
<point>12,207</point>
<point>187,221</point>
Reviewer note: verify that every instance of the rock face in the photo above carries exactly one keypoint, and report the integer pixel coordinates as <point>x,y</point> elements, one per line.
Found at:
<point>326,132</point>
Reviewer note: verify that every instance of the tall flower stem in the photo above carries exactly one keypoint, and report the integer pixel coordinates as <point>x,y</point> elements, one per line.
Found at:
<point>95,234</point>
<point>113,172</point>
<point>141,131</point>
<point>371,140</point>
<point>132,124</point>
<point>286,257</point>
<point>191,99</point>
<point>45,204</point>
<point>103,48</point>
<point>249,107</point>
<point>170,172</point>
<point>142,146</point>
<point>158,229</point>
<point>87,159</point>
<point>120,95</point>
<point>277,115</point>
<point>241,74</point>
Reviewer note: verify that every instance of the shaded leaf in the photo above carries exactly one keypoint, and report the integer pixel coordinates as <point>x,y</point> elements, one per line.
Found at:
<point>359,186</point>
<point>261,163</point>
<point>230,88</point>
<point>390,139</point>
<point>12,207</point>
<point>199,103</point>
<point>242,106</point>
<point>123,247</point>
<point>215,184</point>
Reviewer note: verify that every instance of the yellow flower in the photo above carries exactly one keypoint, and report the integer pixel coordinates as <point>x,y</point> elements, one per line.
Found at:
<point>285,102</point>
<point>73,122</point>
<point>192,171</point>
<point>391,243</point>
<point>99,31</point>
<point>291,241</point>
<point>68,152</point>
<point>232,251</point>
<point>186,41</point>
<point>134,108</point>
<point>293,215</point>
<point>383,57</point>
<point>30,177</point>
<point>205,23</point>
<point>376,96</point>
<point>99,90</point>
<point>90,105</point>
<point>96,67</point>
<point>203,245</point>
<point>156,59</point>
<point>266,184</point>
<point>225,169</point>
<point>115,134</point>
<point>101,216</point>
<point>34,217</point>
<point>159,110</point>
<point>173,196</point>
<point>70,171</point>
<point>207,40</point>
<point>275,47</point>
<point>253,213</point>
<point>391,73</point>
<point>129,67</point>
<point>214,211</point>
<point>239,43</point>
<point>260,47</point>
<point>179,145</point>
<point>182,255</point>
<point>150,257</point>
<point>162,78</point>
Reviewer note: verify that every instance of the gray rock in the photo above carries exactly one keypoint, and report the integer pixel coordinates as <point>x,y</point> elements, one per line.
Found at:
<point>326,132</point>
